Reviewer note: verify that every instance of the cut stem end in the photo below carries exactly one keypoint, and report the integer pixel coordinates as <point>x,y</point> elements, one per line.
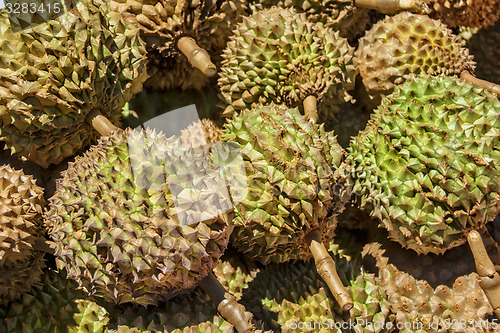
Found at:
<point>197,56</point>
<point>100,123</point>
<point>311,108</point>
<point>486,85</point>
<point>394,6</point>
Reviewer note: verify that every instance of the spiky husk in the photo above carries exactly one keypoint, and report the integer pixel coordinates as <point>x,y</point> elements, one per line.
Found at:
<point>284,295</point>
<point>428,164</point>
<point>156,242</point>
<point>290,166</point>
<point>436,293</point>
<point>293,59</point>
<point>54,74</point>
<point>162,23</point>
<point>474,14</point>
<point>399,46</point>
<point>340,15</point>
<point>485,47</point>
<point>55,305</point>
<point>235,274</point>
<point>201,133</point>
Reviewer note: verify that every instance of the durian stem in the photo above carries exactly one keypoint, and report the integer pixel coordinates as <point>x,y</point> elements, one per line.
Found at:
<point>197,56</point>
<point>311,108</point>
<point>43,245</point>
<point>394,6</point>
<point>327,270</point>
<point>489,279</point>
<point>486,85</point>
<point>100,123</point>
<point>227,305</point>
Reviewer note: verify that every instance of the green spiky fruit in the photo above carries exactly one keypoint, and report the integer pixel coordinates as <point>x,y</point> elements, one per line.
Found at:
<point>436,293</point>
<point>293,59</point>
<point>405,44</point>
<point>55,305</point>
<point>287,295</point>
<point>202,132</point>
<point>290,168</point>
<point>485,47</point>
<point>235,274</point>
<point>162,23</point>
<point>340,15</point>
<point>21,202</point>
<point>427,166</point>
<point>167,232</point>
<point>476,14</point>
<point>54,74</point>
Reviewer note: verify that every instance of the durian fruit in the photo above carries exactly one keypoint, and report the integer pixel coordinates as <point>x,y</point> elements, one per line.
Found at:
<point>182,36</point>
<point>430,293</point>
<point>399,46</point>
<point>55,76</point>
<point>277,55</point>
<point>139,218</point>
<point>21,202</point>
<point>474,14</point>
<point>291,297</point>
<point>485,47</point>
<point>427,165</point>
<point>201,133</point>
<point>290,206</point>
<point>55,305</point>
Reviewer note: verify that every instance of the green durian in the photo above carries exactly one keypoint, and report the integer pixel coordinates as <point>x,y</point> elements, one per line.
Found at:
<point>403,45</point>
<point>278,56</point>
<point>427,165</point>
<point>201,133</point>
<point>53,75</point>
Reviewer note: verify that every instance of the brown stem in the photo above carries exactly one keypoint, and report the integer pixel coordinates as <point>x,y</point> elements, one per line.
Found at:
<point>489,279</point>
<point>486,85</point>
<point>394,6</point>
<point>311,108</point>
<point>43,245</point>
<point>197,56</point>
<point>100,123</point>
<point>227,305</point>
<point>326,269</point>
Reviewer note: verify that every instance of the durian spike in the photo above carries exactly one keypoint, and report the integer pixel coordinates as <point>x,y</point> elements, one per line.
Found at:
<point>228,307</point>
<point>486,85</point>
<point>311,108</point>
<point>327,270</point>
<point>100,123</point>
<point>43,245</point>
<point>489,279</point>
<point>394,6</point>
<point>197,56</point>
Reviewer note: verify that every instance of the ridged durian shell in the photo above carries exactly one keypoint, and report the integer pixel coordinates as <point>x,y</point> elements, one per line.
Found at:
<point>120,230</point>
<point>485,47</point>
<point>405,44</point>
<point>201,133</point>
<point>54,74</point>
<point>278,56</point>
<point>290,168</point>
<point>474,14</point>
<point>428,164</point>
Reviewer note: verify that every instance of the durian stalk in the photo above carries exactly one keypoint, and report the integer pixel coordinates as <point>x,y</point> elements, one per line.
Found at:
<point>326,269</point>
<point>311,108</point>
<point>100,123</point>
<point>197,56</point>
<point>486,85</point>
<point>394,6</point>
<point>489,279</point>
<point>227,305</point>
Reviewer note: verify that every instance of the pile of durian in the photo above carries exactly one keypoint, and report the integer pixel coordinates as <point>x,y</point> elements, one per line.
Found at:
<point>250,166</point>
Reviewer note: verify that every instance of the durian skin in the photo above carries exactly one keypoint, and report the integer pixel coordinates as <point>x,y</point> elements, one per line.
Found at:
<point>278,56</point>
<point>427,166</point>
<point>403,45</point>
<point>291,183</point>
<point>117,229</point>
<point>474,14</point>
<point>162,23</point>
<point>485,47</point>
<point>54,74</point>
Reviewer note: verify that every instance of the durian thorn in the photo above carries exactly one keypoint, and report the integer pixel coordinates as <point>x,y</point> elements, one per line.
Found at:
<point>197,56</point>
<point>489,279</point>
<point>327,270</point>
<point>486,85</point>
<point>311,108</point>
<point>100,123</point>
<point>228,307</point>
<point>394,6</point>
<point>43,245</point>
